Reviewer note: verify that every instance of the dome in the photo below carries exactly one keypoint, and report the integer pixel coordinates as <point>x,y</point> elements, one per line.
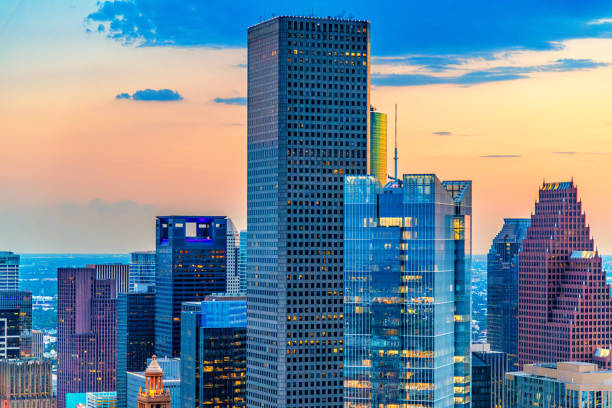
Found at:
<point>154,368</point>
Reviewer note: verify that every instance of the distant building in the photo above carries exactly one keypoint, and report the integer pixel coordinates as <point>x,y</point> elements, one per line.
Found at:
<point>502,288</point>
<point>242,261</point>
<point>561,385</point>
<point>86,333</point>
<point>118,272</point>
<point>496,364</point>
<point>191,264</point>
<point>26,383</point>
<point>407,286</point>
<point>142,269</point>
<point>9,271</point>
<point>565,308</point>
<point>38,344</point>
<point>172,382</point>
<point>15,324</point>
<point>135,336</point>
<point>101,400</point>
<point>154,395</point>
<point>378,145</point>
<point>232,274</point>
<point>481,383</point>
<point>213,352</point>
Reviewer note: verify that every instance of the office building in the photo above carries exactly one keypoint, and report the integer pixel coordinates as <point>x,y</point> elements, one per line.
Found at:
<point>308,127</point>
<point>101,400</point>
<point>15,324</point>
<point>502,288</point>
<point>565,307</point>
<point>154,395</point>
<point>86,333</point>
<point>242,262</point>
<point>496,363</point>
<point>26,383</point>
<point>481,383</point>
<point>191,264</point>
<point>213,352</point>
<point>407,305</point>
<point>378,145</point>
<point>232,274</point>
<point>172,382</point>
<point>9,271</point>
<point>142,270</point>
<point>38,344</point>
<point>120,273</point>
<point>559,385</point>
<point>135,336</point>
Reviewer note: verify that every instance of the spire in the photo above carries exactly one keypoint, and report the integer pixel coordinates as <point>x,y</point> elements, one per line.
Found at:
<point>395,158</point>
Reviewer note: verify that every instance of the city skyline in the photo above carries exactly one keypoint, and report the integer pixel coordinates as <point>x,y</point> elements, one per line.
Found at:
<point>508,112</point>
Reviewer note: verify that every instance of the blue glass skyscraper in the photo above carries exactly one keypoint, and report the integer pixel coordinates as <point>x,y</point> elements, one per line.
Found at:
<point>407,284</point>
<point>191,264</point>
<point>142,269</point>
<point>242,261</point>
<point>502,289</point>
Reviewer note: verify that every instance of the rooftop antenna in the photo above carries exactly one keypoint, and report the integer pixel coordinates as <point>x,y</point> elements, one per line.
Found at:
<point>395,158</point>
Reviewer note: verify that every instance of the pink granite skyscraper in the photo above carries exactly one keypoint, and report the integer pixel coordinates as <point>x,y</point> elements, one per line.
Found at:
<point>565,309</point>
<point>86,322</point>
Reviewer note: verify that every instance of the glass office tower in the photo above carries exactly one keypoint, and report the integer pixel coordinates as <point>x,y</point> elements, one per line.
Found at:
<point>9,270</point>
<point>15,324</point>
<point>378,145</point>
<point>191,264</point>
<point>142,270</point>
<point>308,127</point>
<point>407,284</point>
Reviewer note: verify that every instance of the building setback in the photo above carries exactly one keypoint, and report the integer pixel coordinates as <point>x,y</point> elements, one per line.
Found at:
<point>86,335</point>
<point>565,307</point>
<point>191,264</point>
<point>407,285</point>
<point>26,383</point>
<point>308,127</point>
<point>502,288</point>
<point>9,270</point>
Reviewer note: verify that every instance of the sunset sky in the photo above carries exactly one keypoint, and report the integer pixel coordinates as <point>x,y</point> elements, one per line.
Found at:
<point>507,94</point>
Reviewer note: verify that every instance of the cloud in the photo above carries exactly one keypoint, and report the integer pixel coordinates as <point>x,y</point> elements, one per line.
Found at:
<point>240,66</point>
<point>566,153</point>
<point>500,156</point>
<point>161,95</point>
<point>444,133</point>
<point>440,27</point>
<point>232,101</point>
<point>496,74</point>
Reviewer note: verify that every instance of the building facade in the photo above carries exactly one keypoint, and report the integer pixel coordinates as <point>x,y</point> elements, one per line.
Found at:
<point>481,383</point>
<point>191,264</point>
<point>378,145</point>
<point>15,324</point>
<point>171,367</point>
<point>565,306</point>
<point>142,269</point>
<point>233,242</point>
<point>38,344</point>
<point>135,336</point>
<point>559,385</point>
<point>101,400</point>
<point>26,383</point>
<point>242,262</point>
<point>407,285</point>
<point>308,127</point>
<point>118,272</point>
<point>9,270</point>
<point>497,366</point>
<point>154,395</point>
<point>502,288</point>
<point>213,352</point>
<point>86,333</point>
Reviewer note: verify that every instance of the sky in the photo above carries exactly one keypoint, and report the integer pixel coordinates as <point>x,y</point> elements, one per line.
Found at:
<point>113,112</point>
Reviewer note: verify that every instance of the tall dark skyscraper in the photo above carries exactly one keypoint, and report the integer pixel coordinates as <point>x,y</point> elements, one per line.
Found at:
<point>135,336</point>
<point>565,307</point>
<point>86,333</point>
<point>15,324</point>
<point>502,289</point>
<point>308,127</point>
<point>191,264</point>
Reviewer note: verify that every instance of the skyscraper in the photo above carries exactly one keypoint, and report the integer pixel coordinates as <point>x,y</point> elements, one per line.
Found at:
<point>502,288</point>
<point>118,272</point>
<point>154,395</point>
<point>86,333</point>
<point>38,343</point>
<point>15,324</point>
<point>232,274</point>
<point>9,271</point>
<point>213,352</point>
<point>101,400</point>
<point>378,145</point>
<point>172,382</point>
<point>142,269</point>
<point>565,307</point>
<point>496,363</point>
<point>135,336</point>
<point>407,283</point>
<point>308,124</point>
<point>242,261</point>
<point>191,264</point>
<point>26,383</point>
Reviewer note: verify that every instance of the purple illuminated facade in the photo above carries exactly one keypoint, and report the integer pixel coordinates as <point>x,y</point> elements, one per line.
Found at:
<point>87,321</point>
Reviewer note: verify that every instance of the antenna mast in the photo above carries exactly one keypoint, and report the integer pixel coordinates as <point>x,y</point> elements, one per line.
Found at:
<point>395,158</point>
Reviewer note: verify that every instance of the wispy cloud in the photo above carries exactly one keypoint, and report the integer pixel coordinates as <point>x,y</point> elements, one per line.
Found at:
<point>500,156</point>
<point>565,153</point>
<point>232,101</point>
<point>159,95</point>
<point>443,133</point>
